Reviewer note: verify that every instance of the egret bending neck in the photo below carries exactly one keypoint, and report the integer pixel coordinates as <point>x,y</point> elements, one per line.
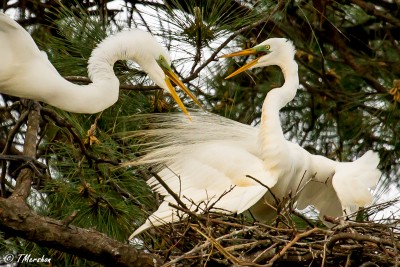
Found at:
<point>271,139</point>
<point>278,98</point>
<point>104,90</point>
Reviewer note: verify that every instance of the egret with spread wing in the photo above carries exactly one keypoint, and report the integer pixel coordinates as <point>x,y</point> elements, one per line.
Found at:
<point>208,162</point>
<point>26,72</point>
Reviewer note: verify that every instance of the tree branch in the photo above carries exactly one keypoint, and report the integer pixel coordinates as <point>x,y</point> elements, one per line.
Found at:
<point>24,180</point>
<point>86,80</point>
<point>17,219</point>
<point>372,9</point>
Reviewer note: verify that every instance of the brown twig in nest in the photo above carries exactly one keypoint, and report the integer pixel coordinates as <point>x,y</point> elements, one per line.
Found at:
<point>226,240</point>
<point>207,239</point>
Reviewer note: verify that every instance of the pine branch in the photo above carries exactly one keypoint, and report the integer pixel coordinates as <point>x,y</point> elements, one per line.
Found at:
<point>16,219</point>
<point>63,123</point>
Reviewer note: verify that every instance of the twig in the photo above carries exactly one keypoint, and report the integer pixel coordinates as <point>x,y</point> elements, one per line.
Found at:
<point>14,131</point>
<point>86,80</point>
<point>221,249</point>
<point>125,193</point>
<point>291,243</point>
<point>220,197</point>
<point>262,255</point>
<point>359,237</point>
<point>371,8</point>
<point>169,190</point>
<point>31,162</point>
<point>206,244</point>
<point>266,186</point>
<point>304,218</point>
<point>246,245</point>
<point>68,220</point>
<point>343,224</point>
<point>205,218</point>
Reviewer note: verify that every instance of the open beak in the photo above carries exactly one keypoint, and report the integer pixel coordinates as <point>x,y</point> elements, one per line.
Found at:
<point>171,76</point>
<point>246,52</point>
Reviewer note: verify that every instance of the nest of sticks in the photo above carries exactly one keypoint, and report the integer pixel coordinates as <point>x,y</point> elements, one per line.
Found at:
<point>291,240</point>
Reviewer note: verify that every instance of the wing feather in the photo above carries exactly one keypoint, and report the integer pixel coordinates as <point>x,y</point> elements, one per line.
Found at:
<point>215,175</point>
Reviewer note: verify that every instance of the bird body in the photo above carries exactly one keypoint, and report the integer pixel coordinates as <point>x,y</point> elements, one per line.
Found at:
<point>201,172</point>
<point>213,155</point>
<point>210,162</point>
<point>26,72</point>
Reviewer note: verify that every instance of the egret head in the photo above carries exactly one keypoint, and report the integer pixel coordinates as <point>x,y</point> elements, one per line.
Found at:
<point>144,49</point>
<point>170,77</point>
<point>273,51</point>
<point>155,60</point>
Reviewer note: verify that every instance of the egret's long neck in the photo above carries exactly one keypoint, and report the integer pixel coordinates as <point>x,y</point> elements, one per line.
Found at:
<point>103,57</point>
<point>104,89</point>
<point>278,98</point>
<point>271,139</point>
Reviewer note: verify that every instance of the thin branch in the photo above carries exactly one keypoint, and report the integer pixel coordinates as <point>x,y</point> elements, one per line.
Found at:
<point>24,179</point>
<point>14,131</point>
<point>291,243</point>
<point>359,237</point>
<point>86,80</point>
<point>266,186</point>
<point>198,248</point>
<point>169,190</point>
<point>372,9</point>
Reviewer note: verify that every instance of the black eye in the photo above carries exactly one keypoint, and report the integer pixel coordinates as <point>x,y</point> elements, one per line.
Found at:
<point>267,46</point>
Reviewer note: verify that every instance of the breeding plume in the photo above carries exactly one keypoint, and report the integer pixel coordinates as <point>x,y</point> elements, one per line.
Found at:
<point>208,162</point>
<point>26,72</point>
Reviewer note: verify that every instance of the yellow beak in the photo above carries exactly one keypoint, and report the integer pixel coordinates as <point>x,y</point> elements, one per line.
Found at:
<point>243,68</point>
<point>171,76</point>
<point>246,52</point>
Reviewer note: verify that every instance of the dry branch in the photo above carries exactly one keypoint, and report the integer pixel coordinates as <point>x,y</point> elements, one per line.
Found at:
<point>16,219</point>
<point>228,240</point>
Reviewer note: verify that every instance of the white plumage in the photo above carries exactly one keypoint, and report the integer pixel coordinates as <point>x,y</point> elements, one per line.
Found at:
<point>213,155</point>
<point>26,72</point>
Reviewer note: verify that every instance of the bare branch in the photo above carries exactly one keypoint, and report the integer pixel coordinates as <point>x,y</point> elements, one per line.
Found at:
<point>17,219</point>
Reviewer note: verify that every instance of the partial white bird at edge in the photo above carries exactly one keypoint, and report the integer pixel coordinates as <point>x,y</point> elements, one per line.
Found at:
<point>26,72</point>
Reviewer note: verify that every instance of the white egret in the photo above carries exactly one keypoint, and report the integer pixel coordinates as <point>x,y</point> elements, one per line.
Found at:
<point>208,161</point>
<point>26,72</point>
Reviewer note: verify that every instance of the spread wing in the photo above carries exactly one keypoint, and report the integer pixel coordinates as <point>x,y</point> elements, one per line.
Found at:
<point>215,175</point>
<point>353,181</point>
<point>348,189</point>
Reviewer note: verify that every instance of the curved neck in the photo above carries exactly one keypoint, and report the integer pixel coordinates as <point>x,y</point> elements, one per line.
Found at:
<point>273,146</point>
<point>104,90</point>
<point>103,57</point>
<point>278,98</point>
